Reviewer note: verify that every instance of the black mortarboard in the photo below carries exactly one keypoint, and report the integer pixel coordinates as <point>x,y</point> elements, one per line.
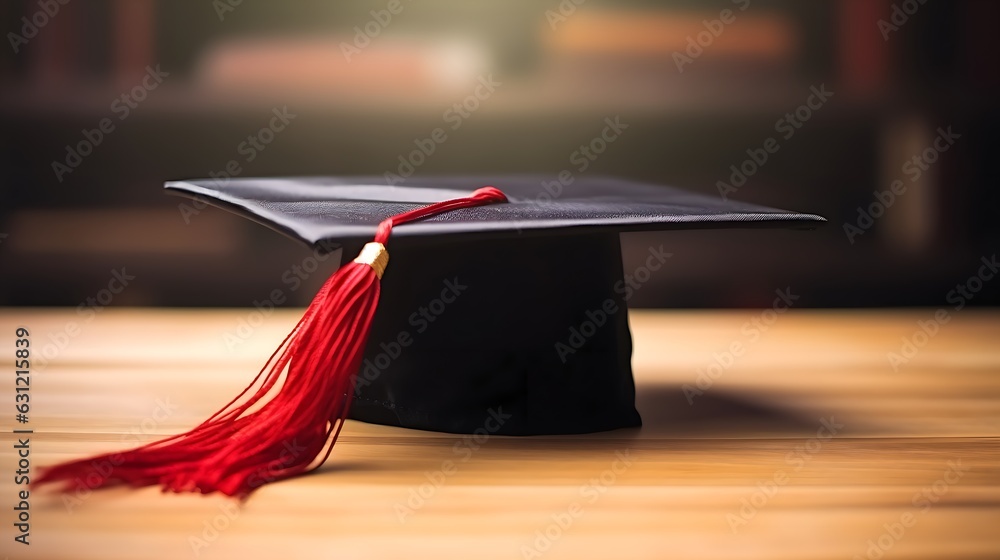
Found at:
<point>503,312</point>
<point>518,307</point>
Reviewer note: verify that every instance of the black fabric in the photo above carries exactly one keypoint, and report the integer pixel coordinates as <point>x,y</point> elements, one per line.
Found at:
<point>535,334</point>
<point>347,209</point>
<point>506,319</point>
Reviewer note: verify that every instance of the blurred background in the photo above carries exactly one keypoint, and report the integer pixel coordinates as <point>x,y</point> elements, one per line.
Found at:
<point>101,101</point>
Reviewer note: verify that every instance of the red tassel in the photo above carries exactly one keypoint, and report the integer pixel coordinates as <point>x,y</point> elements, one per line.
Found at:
<point>254,439</point>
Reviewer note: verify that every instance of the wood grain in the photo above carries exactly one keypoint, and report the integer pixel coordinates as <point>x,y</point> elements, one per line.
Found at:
<point>744,470</point>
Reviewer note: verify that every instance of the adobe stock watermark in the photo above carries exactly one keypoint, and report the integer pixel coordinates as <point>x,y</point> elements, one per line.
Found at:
<point>122,107</point>
<point>563,11</point>
<point>959,297</point>
<point>922,502</point>
<point>913,168</point>
<point>88,309</point>
<point>225,7</point>
<point>454,117</point>
<point>364,35</point>
<point>420,320</point>
<point>291,279</point>
<point>214,526</point>
<point>581,159</point>
<point>786,126</point>
<point>597,318</point>
<point>248,150</point>
<point>796,459</point>
<point>590,492</point>
<point>751,331</point>
<point>32,25</point>
<point>104,467</point>
<point>900,15</point>
<point>463,449</point>
<point>697,44</point>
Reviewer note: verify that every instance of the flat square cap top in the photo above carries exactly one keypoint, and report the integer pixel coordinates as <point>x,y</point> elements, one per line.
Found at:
<point>341,209</point>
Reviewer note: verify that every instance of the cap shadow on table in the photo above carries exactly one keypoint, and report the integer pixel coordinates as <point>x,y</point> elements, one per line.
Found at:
<point>667,414</point>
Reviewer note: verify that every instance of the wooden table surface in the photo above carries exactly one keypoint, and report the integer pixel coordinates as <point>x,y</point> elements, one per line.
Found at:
<point>808,445</point>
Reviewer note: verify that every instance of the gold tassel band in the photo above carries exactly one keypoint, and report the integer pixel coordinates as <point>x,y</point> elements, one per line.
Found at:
<point>375,256</point>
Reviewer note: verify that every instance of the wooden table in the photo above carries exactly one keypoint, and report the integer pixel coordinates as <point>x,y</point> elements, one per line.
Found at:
<point>808,445</point>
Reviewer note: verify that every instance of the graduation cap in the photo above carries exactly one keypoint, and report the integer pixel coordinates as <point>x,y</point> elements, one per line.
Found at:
<point>503,312</point>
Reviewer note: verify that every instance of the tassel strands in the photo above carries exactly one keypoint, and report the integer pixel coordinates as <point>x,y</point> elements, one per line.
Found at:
<point>287,420</point>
